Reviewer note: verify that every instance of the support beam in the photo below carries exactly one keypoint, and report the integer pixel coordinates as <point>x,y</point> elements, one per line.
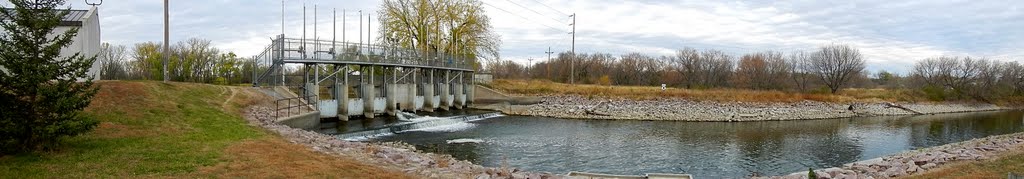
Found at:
<point>470,93</point>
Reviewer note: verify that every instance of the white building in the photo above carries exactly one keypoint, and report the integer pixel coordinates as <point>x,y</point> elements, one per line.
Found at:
<point>87,42</point>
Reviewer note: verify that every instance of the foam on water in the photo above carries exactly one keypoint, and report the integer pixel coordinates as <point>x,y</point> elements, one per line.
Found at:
<point>423,124</point>
<point>446,128</point>
<point>464,140</point>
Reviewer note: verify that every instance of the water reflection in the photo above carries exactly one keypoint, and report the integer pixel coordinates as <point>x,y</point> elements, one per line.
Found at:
<point>707,149</point>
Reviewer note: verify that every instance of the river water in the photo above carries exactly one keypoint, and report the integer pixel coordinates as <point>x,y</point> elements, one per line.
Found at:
<point>705,149</point>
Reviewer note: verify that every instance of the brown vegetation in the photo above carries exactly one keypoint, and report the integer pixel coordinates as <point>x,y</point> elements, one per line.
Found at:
<point>276,158</point>
<point>541,87</point>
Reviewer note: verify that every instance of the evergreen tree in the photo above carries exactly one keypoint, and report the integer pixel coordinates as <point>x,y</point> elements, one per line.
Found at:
<point>40,100</point>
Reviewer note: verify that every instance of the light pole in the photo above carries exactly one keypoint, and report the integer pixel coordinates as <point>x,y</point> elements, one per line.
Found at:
<point>167,35</point>
<point>572,59</point>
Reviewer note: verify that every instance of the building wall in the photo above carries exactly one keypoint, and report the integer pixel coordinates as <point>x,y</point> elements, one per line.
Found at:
<point>87,42</point>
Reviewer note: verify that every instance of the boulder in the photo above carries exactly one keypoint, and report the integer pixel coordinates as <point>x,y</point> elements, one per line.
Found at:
<point>923,159</point>
<point>928,166</point>
<point>894,172</point>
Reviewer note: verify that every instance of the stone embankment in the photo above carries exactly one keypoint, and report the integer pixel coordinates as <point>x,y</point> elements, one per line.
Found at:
<point>578,107</point>
<point>919,161</point>
<point>397,156</point>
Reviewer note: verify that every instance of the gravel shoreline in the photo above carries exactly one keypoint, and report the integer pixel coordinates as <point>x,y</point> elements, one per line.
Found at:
<point>922,160</point>
<point>398,156</point>
<point>578,107</point>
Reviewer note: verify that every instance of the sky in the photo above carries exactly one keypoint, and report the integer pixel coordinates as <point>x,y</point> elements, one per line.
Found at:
<point>891,35</point>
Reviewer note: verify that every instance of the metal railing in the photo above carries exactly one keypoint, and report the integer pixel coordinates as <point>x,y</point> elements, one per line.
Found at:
<point>301,103</point>
<point>270,63</point>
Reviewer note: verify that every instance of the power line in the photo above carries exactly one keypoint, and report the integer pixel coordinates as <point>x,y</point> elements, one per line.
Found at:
<point>517,15</point>
<point>538,13</point>
<point>549,7</point>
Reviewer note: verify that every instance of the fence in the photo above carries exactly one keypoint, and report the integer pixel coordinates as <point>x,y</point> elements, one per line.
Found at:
<point>301,103</point>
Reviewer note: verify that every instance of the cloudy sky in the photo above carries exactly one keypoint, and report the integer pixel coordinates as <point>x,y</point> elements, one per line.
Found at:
<point>891,34</point>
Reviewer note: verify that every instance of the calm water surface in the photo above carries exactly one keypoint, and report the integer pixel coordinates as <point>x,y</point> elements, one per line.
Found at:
<point>705,149</point>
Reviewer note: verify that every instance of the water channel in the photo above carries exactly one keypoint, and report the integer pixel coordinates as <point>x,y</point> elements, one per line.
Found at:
<point>705,149</point>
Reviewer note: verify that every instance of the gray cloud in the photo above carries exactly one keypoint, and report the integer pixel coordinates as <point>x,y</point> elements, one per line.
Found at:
<point>891,34</point>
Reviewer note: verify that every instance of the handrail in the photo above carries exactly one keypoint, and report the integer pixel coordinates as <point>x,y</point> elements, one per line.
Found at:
<point>294,50</point>
<point>301,102</point>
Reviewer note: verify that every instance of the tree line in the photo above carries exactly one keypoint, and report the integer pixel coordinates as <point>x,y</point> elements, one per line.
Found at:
<point>827,69</point>
<point>191,60</point>
<point>832,66</point>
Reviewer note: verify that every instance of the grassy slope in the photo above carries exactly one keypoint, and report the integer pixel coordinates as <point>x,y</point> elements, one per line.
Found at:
<point>152,129</point>
<point>534,87</point>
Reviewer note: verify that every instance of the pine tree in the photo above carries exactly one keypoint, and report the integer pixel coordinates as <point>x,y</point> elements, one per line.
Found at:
<point>40,100</point>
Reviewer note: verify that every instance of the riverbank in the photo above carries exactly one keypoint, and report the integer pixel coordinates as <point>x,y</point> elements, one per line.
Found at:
<point>924,161</point>
<point>398,156</point>
<point>680,109</point>
<point>152,129</point>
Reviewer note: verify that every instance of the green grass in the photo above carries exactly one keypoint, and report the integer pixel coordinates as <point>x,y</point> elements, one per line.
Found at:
<point>147,129</point>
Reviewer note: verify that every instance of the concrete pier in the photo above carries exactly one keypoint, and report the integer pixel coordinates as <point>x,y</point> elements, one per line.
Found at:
<point>368,98</point>
<point>341,95</point>
<point>460,100</point>
<point>429,104</point>
<point>445,95</point>
<point>390,101</point>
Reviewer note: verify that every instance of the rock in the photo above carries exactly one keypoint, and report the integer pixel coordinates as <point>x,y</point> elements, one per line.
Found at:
<point>894,172</point>
<point>821,174</point>
<point>794,176</point>
<point>922,159</point>
<point>928,166</point>
<point>482,176</point>
<point>862,168</point>
<point>912,169</point>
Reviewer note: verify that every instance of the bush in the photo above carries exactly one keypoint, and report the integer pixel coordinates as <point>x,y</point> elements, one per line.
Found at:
<point>934,93</point>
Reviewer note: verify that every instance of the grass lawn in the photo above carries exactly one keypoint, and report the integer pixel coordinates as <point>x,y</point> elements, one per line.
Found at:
<point>153,129</point>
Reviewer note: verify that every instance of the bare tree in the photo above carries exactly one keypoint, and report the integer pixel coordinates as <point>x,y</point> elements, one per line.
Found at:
<point>800,69</point>
<point>714,69</point>
<point>763,70</point>
<point>685,63</point>
<point>112,62</point>
<point>835,65</point>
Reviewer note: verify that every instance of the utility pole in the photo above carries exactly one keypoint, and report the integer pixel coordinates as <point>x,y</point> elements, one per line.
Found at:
<point>547,67</point>
<point>572,60</point>
<point>360,31</point>
<point>282,19</point>
<point>529,66</point>
<point>343,22</point>
<point>167,35</point>
<point>368,41</point>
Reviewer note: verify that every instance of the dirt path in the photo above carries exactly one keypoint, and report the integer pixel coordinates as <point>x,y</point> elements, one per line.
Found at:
<point>225,103</point>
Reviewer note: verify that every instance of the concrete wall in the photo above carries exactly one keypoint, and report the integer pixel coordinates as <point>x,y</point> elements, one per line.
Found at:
<point>482,78</point>
<point>308,121</point>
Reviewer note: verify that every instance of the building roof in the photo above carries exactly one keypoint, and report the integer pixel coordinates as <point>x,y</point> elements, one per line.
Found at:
<point>73,18</point>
